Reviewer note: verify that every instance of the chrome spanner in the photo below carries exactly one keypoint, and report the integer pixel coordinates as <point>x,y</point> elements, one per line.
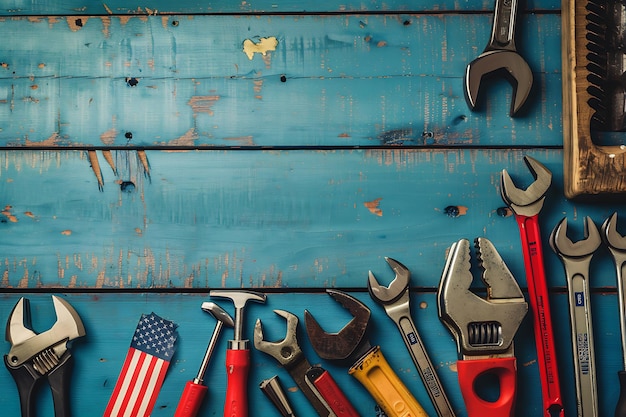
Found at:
<point>395,299</point>
<point>576,257</point>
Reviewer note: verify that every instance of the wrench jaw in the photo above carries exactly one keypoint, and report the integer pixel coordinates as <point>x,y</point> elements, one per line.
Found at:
<point>494,62</point>
<point>612,238</point>
<point>25,343</point>
<point>526,202</point>
<point>481,326</point>
<point>396,289</point>
<point>286,351</point>
<point>582,249</point>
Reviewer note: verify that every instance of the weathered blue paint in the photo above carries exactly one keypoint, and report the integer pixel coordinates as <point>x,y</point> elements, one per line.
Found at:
<point>111,318</point>
<point>349,81</point>
<point>154,7</point>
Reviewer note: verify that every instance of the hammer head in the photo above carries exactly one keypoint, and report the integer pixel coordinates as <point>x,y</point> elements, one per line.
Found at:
<point>218,312</point>
<point>239,298</point>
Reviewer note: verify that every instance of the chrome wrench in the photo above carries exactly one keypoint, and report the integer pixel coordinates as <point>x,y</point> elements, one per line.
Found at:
<point>576,258</point>
<point>395,299</point>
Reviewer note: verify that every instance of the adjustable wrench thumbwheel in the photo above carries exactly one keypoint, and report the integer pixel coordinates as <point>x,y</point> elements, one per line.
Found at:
<point>483,328</point>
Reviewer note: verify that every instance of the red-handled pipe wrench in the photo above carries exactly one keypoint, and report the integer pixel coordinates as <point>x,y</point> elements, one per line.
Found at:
<point>526,205</point>
<point>238,354</point>
<point>484,328</point>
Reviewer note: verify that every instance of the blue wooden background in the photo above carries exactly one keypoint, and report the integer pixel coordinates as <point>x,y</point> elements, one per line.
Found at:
<point>288,170</point>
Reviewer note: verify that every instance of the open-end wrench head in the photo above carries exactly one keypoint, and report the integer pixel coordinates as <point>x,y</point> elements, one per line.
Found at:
<point>25,343</point>
<point>396,288</point>
<point>534,193</point>
<point>563,245</point>
<point>284,351</point>
<point>612,238</point>
<point>218,312</point>
<point>340,345</point>
<point>490,62</point>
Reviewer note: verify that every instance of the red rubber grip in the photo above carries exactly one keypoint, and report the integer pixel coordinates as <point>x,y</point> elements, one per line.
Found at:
<point>237,368</point>
<point>333,395</point>
<point>505,369</point>
<point>191,400</point>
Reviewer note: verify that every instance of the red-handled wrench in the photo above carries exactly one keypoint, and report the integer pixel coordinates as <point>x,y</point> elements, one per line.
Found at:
<point>526,205</point>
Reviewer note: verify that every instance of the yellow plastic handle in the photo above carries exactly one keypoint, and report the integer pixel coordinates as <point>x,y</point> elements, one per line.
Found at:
<point>374,372</point>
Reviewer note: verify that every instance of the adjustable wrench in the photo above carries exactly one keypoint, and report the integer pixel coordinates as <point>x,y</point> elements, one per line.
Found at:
<point>316,383</point>
<point>617,246</point>
<point>484,328</point>
<point>396,301</point>
<point>576,258</point>
<point>526,205</point>
<point>501,54</point>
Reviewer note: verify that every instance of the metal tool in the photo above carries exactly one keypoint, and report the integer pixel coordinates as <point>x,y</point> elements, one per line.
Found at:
<point>484,328</point>
<point>37,356</point>
<point>273,390</point>
<point>526,205</point>
<point>315,383</point>
<point>576,258</point>
<point>368,365</point>
<point>238,354</point>
<point>617,246</point>
<point>500,55</point>
<point>396,301</point>
<point>195,390</point>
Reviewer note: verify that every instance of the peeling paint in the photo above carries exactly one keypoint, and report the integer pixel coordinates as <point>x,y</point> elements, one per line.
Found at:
<point>372,206</point>
<point>203,104</point>
<point>262,47</point>
<point>6,212</point>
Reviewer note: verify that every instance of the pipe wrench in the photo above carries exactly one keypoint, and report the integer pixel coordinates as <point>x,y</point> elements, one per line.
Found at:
<point>484,328</point>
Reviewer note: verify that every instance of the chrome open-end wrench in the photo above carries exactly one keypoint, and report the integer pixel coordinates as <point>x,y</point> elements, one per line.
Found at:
<point>501,55</point>
<point>396,301</point>
<point>576,258</point>
<point>526,205</point>
<point>617,246</point>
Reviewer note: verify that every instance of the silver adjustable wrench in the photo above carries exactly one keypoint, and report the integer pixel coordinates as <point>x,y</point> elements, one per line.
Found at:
<point>396,301</point>
<point>576,257</point>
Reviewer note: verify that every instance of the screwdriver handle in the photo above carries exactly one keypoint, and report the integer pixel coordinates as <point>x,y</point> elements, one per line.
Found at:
<point>374,372</point>
<point>505,370</point>
<point>191,400</point>
<point>332,394</point>
<point>620,409</point>
<point>237,368</point>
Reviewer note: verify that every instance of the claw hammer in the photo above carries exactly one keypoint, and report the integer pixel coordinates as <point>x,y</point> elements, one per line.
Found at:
<point>238,354</point>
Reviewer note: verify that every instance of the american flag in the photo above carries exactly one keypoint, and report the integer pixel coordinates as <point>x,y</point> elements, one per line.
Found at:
<point>142,375</point>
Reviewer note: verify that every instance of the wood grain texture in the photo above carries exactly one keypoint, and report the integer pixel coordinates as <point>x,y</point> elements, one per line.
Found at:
<point>206,219</point>
<point>161,7</point>
<point>110,320</point>
<point>332,81</point>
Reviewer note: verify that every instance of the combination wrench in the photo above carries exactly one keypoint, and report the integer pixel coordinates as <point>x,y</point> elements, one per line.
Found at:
<point>576,257</point>
<point>526,205</point>
<point>396,301</point>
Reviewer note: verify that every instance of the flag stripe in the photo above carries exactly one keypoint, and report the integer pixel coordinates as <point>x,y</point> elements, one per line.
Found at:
<point>144,368</point>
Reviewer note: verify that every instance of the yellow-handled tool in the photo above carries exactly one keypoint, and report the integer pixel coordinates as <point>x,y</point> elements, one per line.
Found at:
<point>369,366</point>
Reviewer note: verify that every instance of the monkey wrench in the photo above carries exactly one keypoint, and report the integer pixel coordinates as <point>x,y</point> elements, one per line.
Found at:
<point>526,205</point>
<point>396,301</point>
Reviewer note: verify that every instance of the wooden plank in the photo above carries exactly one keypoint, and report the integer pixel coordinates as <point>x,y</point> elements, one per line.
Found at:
<point>110,320</point>
<point>348,81</point>
<point>295,219</point>
<point>153,7</point>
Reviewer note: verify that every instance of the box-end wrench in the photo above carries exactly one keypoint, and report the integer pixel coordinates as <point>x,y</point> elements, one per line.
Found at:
<point>576,258</point>
<point>396,301</point>
<point>526,205</point>
<point>617,246</point>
